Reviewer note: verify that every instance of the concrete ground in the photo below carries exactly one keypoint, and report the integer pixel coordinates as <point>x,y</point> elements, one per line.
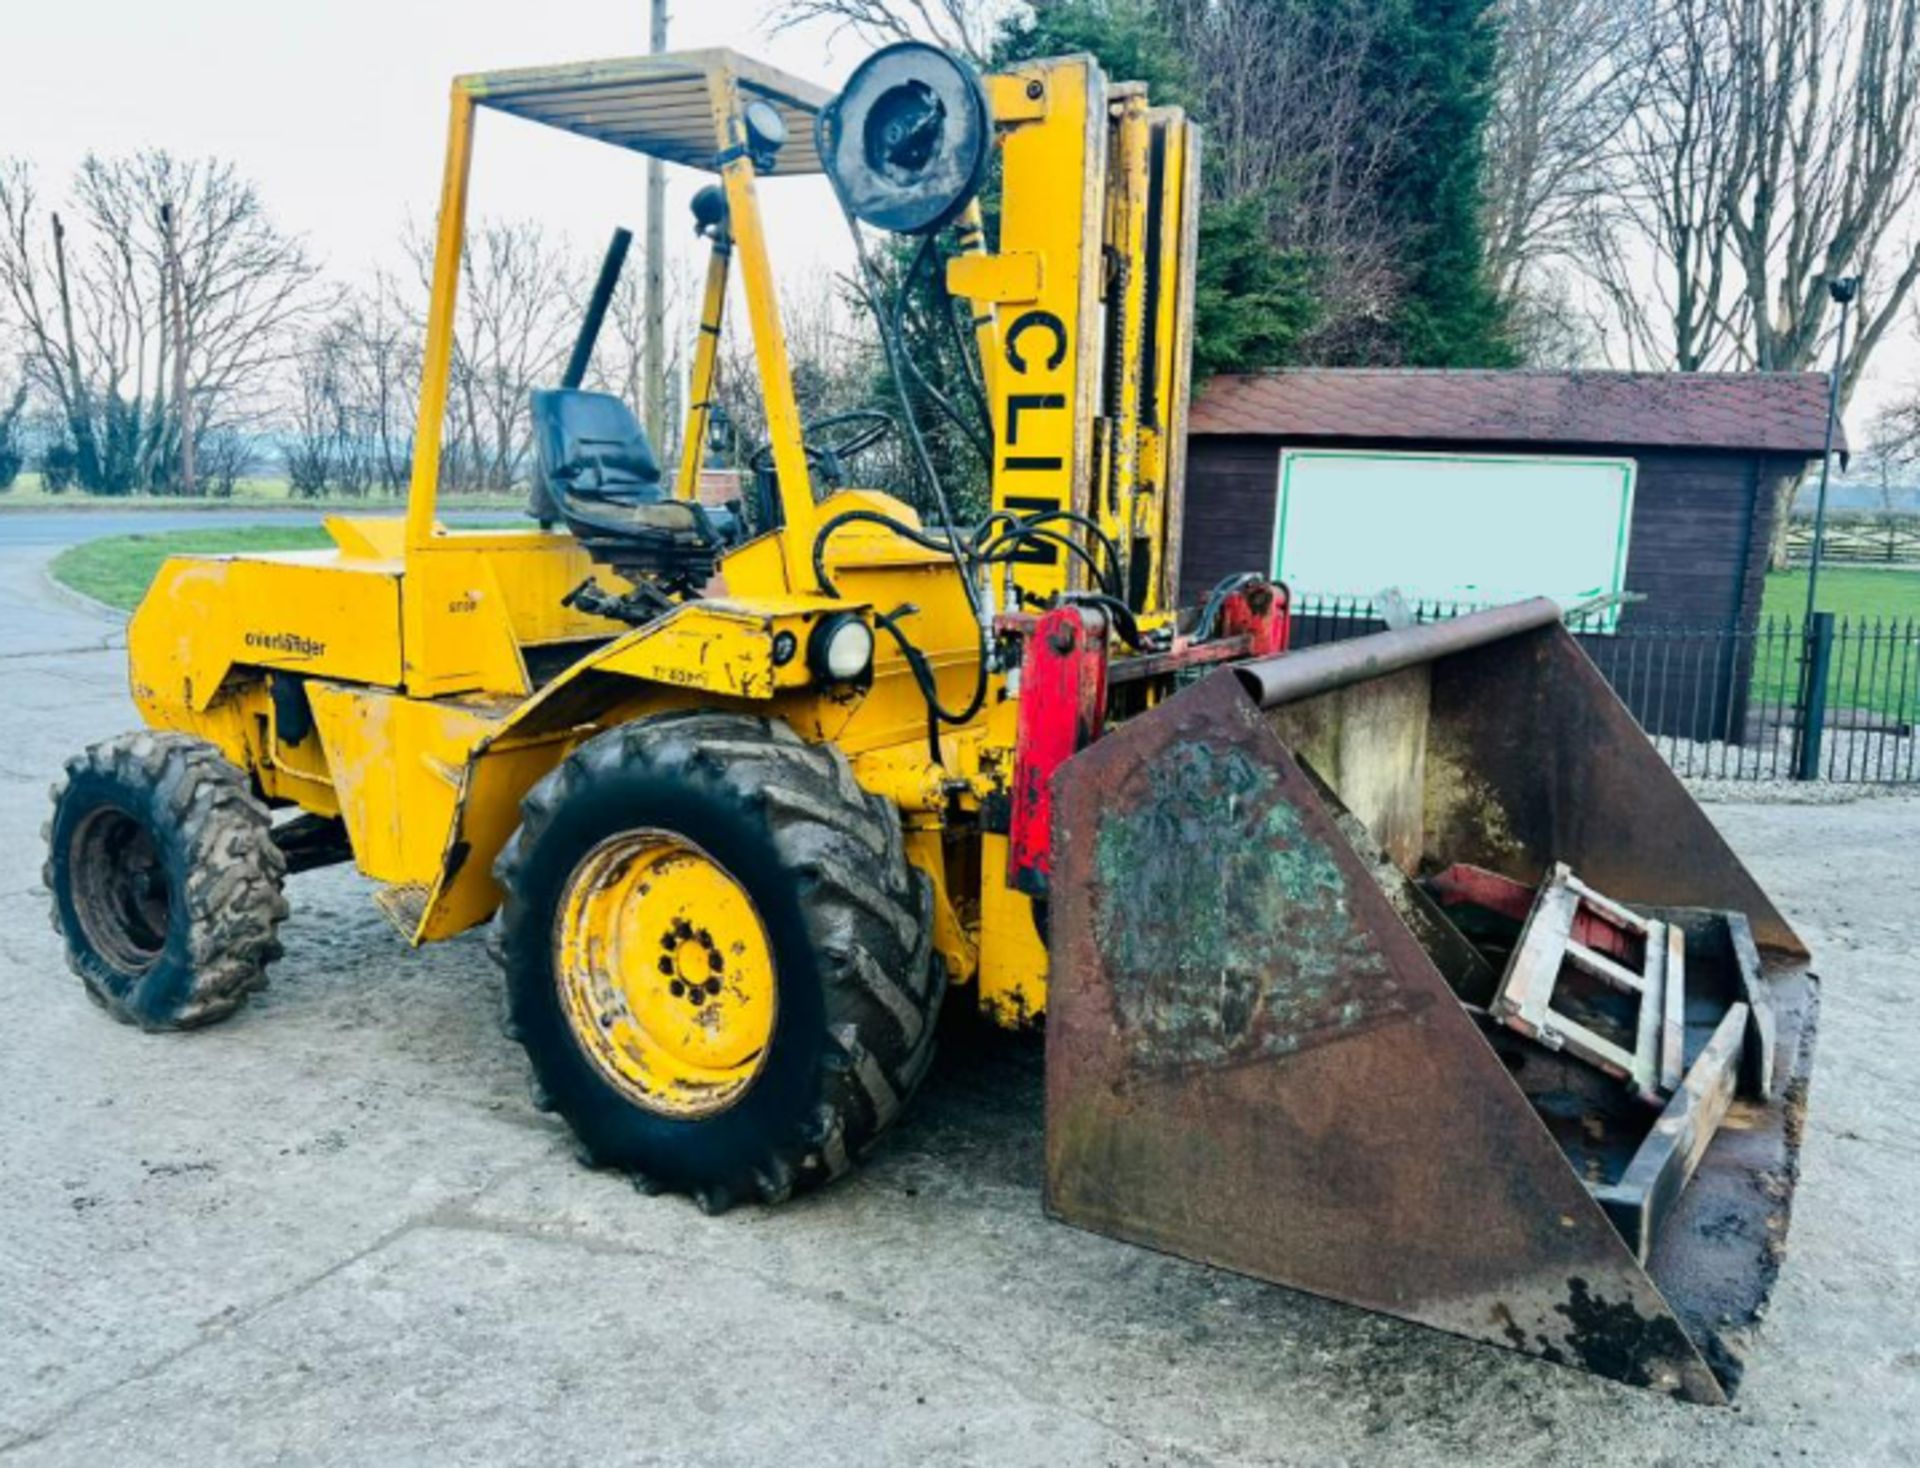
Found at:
<point>333,1230</point>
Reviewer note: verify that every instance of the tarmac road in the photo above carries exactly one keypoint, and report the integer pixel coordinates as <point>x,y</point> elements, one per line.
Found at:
<point>35,619</point>
<point>333,1230</point>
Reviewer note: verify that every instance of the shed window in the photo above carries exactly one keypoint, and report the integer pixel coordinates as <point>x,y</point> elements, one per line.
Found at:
<point>1472,529</point>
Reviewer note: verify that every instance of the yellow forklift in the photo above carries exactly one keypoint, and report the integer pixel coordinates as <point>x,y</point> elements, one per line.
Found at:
<point>1400,970</point>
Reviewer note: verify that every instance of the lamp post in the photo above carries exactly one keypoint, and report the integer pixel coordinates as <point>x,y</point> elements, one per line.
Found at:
<point>1816,630</point>
<point>1843,290</point>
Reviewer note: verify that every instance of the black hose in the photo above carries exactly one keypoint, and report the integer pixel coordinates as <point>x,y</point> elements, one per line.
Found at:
<point>981,443</point>
<point>966,353</point>
<point>923,677</point>
<point>868,517</point>
<point>1072,517</point>
<point>890,345</point>
<point>984,545</point>
<point>1217,599</point>
<point>1112,581</point>
<point>1124,623</point>
<point>917,663</point>
<point>991,552</point>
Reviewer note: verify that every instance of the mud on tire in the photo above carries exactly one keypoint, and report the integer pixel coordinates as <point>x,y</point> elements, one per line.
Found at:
<point>165,880</point>
<point>847,917</point>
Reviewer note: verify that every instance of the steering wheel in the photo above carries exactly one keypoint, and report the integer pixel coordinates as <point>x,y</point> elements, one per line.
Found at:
<point>829,451</point>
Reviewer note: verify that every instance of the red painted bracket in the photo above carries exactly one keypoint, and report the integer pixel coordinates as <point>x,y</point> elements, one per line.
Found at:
<point>1063,708</point>
<point>1262,611</point>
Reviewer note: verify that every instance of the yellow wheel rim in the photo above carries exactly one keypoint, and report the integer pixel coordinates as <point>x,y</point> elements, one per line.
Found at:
<point>665,973</point>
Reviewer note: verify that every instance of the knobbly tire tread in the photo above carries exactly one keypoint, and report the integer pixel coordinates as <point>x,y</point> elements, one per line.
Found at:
<point>858,910</point>
<point>226,875</point>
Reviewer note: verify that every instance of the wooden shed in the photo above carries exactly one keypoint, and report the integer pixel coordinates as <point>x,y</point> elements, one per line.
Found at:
<point>1710,450</point>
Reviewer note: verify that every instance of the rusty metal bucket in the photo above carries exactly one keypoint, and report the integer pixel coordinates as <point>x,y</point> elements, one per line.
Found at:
<point>1268,1046</point>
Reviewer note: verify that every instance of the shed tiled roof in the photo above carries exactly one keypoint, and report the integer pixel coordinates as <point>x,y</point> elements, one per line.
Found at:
<point>1774,412</point>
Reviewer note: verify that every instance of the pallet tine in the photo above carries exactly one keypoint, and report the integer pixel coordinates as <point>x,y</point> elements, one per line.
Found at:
<point>1650,1043</point>
<point>1639,1203</point>
<point>1673,1006</point>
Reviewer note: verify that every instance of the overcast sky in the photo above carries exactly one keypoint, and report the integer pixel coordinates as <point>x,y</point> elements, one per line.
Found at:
<point>337,108</point>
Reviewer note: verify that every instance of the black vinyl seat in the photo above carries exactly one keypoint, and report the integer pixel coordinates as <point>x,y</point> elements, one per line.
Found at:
<point>595,470</point>
<point>589,445</point>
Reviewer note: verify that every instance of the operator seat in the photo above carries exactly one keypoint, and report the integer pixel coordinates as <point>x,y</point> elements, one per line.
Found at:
<point>596,471</point>
<point>589,444</point>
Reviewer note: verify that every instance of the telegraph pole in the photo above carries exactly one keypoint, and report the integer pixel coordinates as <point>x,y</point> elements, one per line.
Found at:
<point>656,301</point>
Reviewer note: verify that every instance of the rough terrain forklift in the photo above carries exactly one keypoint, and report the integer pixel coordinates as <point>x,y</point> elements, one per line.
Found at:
<point>1399,970</point>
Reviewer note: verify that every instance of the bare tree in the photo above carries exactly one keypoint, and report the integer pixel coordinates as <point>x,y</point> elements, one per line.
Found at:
<point>834,356</point>
<point>518,307</point>
<point>1293,115</point>
<point>619,364</point>
<point>1892,448</point>
<point>1825,162</point>
<point>312,446</point>
<point>519,295</point>
<point>1774,148</point>
<point>229,453</point>
<point>838,367</point>
<point>523,293</point>
<point>964,26</point>
<point>1826,158</point>
<point>1658,246</point>
<point>349,419</point>
<point>38,297</point>
<point>1550,326</point>
<point>92,304</point>
<point>1572,74</point>
<point>380,376</point>
<point>14,393</point>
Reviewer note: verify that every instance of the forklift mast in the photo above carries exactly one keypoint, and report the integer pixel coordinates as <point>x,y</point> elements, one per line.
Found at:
<point>1085,316</point>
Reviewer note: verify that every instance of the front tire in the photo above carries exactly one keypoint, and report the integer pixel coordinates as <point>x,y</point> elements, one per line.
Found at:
<point>717,956</point>
<point>165,879</point>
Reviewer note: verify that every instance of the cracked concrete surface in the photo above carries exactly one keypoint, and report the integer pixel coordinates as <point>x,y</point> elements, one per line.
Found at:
<point>333,1230</point>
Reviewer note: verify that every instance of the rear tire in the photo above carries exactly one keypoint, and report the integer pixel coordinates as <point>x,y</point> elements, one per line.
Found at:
<point>165,880</point>
<point>845,920</point>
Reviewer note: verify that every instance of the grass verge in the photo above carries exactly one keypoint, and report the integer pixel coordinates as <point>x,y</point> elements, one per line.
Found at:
<point>117,569</point>
<point>248,494</point>
<point>1876,661</point>
<point>1851,591</point>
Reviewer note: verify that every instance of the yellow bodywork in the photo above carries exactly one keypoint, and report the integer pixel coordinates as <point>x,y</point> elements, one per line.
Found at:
<point>416,681</point>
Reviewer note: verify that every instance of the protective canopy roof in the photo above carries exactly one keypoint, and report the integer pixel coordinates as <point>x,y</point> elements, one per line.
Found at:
<point>663,106</point>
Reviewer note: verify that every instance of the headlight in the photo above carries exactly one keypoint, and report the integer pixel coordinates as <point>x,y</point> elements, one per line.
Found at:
<point>841,648</point>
